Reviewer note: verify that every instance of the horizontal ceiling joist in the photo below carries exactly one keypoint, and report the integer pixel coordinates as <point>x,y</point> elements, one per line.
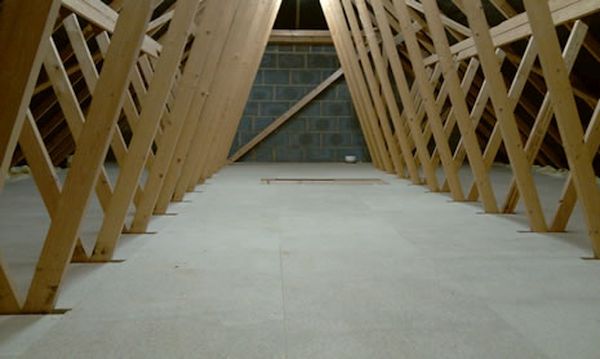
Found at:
<point>300,37</point>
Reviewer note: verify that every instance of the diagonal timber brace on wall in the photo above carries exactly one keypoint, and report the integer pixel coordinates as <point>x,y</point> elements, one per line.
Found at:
<point>281,120</point>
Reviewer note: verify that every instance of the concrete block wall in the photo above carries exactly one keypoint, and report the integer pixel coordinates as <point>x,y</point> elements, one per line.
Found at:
<point>326,130</point>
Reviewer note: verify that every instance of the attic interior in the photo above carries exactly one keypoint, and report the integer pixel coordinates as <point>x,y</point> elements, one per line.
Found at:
<point>299,178</point>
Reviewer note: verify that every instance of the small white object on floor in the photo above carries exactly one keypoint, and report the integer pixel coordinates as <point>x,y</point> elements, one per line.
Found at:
<point>350,159</point>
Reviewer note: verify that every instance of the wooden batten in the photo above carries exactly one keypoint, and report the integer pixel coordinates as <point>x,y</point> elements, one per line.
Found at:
<point>153,107</point>
<point>301,37</point>
<point>207,55</point>
<point>95,138</point>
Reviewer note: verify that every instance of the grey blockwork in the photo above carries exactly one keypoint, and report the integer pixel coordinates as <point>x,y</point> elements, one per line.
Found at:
<point>326,130</point>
